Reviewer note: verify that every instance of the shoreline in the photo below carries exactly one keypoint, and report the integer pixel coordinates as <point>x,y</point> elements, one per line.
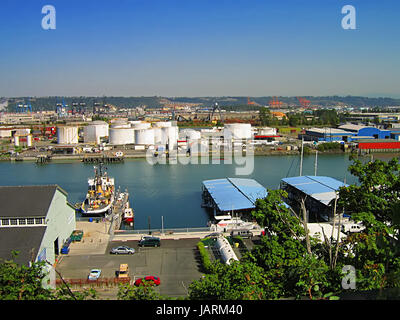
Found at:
<point>273,153</point>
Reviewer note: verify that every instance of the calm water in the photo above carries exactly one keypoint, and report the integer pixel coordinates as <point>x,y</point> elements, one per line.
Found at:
<point>172,191</point>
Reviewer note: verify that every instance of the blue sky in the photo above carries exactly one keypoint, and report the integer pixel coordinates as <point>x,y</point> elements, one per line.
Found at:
<point>199,48</point>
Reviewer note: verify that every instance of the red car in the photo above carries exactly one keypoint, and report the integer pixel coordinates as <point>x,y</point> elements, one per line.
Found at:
<point>155,280</point>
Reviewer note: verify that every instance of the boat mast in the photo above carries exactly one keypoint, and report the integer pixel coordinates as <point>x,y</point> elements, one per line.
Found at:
<point>301,157</point>
<point>316,163</point>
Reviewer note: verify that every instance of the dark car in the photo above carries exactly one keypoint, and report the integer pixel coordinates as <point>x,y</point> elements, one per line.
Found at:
<point>149,242</point>
<point>140,281</point>
<point>122,250</point>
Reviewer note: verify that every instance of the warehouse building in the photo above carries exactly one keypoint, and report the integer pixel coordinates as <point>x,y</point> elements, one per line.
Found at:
<point>366,131</point>
<point>327,135</point>
<point>319,193</point>
<point>35,221</point>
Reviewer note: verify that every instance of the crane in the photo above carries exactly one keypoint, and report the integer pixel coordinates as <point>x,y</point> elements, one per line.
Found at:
<point>304,102</point>
<point>250,102</point>
<point>275,102</point>
<point>215,108</point>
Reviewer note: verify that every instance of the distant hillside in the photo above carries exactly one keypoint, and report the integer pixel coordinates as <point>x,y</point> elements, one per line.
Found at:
<point>229,103</point>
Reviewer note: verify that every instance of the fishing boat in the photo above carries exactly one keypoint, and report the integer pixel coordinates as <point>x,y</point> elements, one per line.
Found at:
<point>101,194</point>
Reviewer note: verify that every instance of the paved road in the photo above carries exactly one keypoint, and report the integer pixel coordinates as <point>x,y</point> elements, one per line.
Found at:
<point>174,262</point>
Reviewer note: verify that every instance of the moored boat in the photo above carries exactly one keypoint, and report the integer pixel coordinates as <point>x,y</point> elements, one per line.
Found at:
<point>101,194</point>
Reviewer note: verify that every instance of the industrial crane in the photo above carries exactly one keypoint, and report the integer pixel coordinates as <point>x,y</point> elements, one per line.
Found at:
<point>250,102</point>
<point>215,108</point>
<point>304,102</point>
<point>275,102</point>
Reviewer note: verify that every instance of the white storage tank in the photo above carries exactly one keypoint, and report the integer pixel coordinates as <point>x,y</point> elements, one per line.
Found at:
<point>67,135</point>
<point>121,136</point>
<point>267,131</point>
<point>169,135</point>
<point>237,131</point>
<point>141,125</point>
<point>120,124</point>
<point>144,136</point>
<point>190,134</point>
<point>29,140</point>
<point>157,135</point>
<point>163,124</point>
<point>94,131</point>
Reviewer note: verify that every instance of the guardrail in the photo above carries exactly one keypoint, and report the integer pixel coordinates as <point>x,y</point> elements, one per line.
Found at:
<point>163,231</point>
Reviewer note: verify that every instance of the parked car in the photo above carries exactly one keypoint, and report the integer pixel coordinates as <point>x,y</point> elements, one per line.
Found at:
<point>154,279</point>
<point>149,242</point>
<point>122,250</point>
<point>94,274</point>
<point>213,235</point>
<point>242,233</point>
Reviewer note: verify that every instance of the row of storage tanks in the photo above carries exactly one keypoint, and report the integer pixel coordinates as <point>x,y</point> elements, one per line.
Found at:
<point>122,132</point>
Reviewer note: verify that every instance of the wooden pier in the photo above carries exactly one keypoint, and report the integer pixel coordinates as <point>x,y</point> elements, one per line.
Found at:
<point>102,159</point>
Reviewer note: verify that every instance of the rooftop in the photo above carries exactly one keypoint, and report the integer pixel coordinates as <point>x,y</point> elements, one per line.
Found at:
<point>235,193</point>
<point>26,201</point>
<point>320,188</point>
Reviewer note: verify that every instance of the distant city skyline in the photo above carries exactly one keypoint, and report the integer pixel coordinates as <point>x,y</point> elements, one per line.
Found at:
<point>173,48</point>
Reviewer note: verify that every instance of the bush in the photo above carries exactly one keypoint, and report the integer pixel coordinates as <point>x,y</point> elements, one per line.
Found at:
<point>205,258</point>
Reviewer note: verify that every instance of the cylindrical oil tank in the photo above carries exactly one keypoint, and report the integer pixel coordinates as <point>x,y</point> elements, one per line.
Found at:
<point>237,131</point>
<point>94,131</point>
<point>120,123</point>
<point>169,135</point>
<point>267,131</point>
<point>120,136</point>
<point>190,134</point>
<point>141,125</point>
<point>67,135</point>
<point>29,140</point>
<point>157,135</point>
<point>144,136</point>
<point>163,124</point>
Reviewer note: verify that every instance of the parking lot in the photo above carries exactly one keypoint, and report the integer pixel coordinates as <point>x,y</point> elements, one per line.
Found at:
<point>175,262</point>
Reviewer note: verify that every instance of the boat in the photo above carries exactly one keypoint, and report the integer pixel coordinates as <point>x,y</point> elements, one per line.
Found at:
<point>128,215</point>
<point>101,194</point>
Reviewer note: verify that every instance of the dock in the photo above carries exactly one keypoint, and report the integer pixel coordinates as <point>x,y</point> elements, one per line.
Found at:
<point>43,158</point>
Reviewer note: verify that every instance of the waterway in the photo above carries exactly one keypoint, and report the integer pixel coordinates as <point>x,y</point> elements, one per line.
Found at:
<point>170,192</point>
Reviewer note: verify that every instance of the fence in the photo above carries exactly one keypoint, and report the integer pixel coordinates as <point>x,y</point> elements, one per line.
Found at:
<point>163,231</point>
<point>102,282</point>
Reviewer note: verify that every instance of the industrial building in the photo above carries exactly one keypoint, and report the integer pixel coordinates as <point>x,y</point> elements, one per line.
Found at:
<point>231,196</point>
<point>345,133</point>
<point>366,131</point>
<point>379,145</point>
<point>327,135</point>
<point>319,193</point>
<point>35,221</point>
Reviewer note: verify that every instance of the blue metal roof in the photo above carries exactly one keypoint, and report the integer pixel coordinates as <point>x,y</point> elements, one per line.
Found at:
<point>319,187</point>
<point>235,193</point>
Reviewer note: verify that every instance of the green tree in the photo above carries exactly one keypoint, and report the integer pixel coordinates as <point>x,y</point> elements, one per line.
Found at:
<point>237,281</point>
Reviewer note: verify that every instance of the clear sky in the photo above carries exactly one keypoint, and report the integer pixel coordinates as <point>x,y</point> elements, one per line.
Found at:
<point>199,48</point>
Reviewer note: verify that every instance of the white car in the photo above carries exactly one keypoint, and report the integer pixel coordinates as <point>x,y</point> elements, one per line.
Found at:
<point>94,274</point>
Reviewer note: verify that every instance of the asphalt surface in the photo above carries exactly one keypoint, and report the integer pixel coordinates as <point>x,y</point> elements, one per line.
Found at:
<point>175,262</point>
